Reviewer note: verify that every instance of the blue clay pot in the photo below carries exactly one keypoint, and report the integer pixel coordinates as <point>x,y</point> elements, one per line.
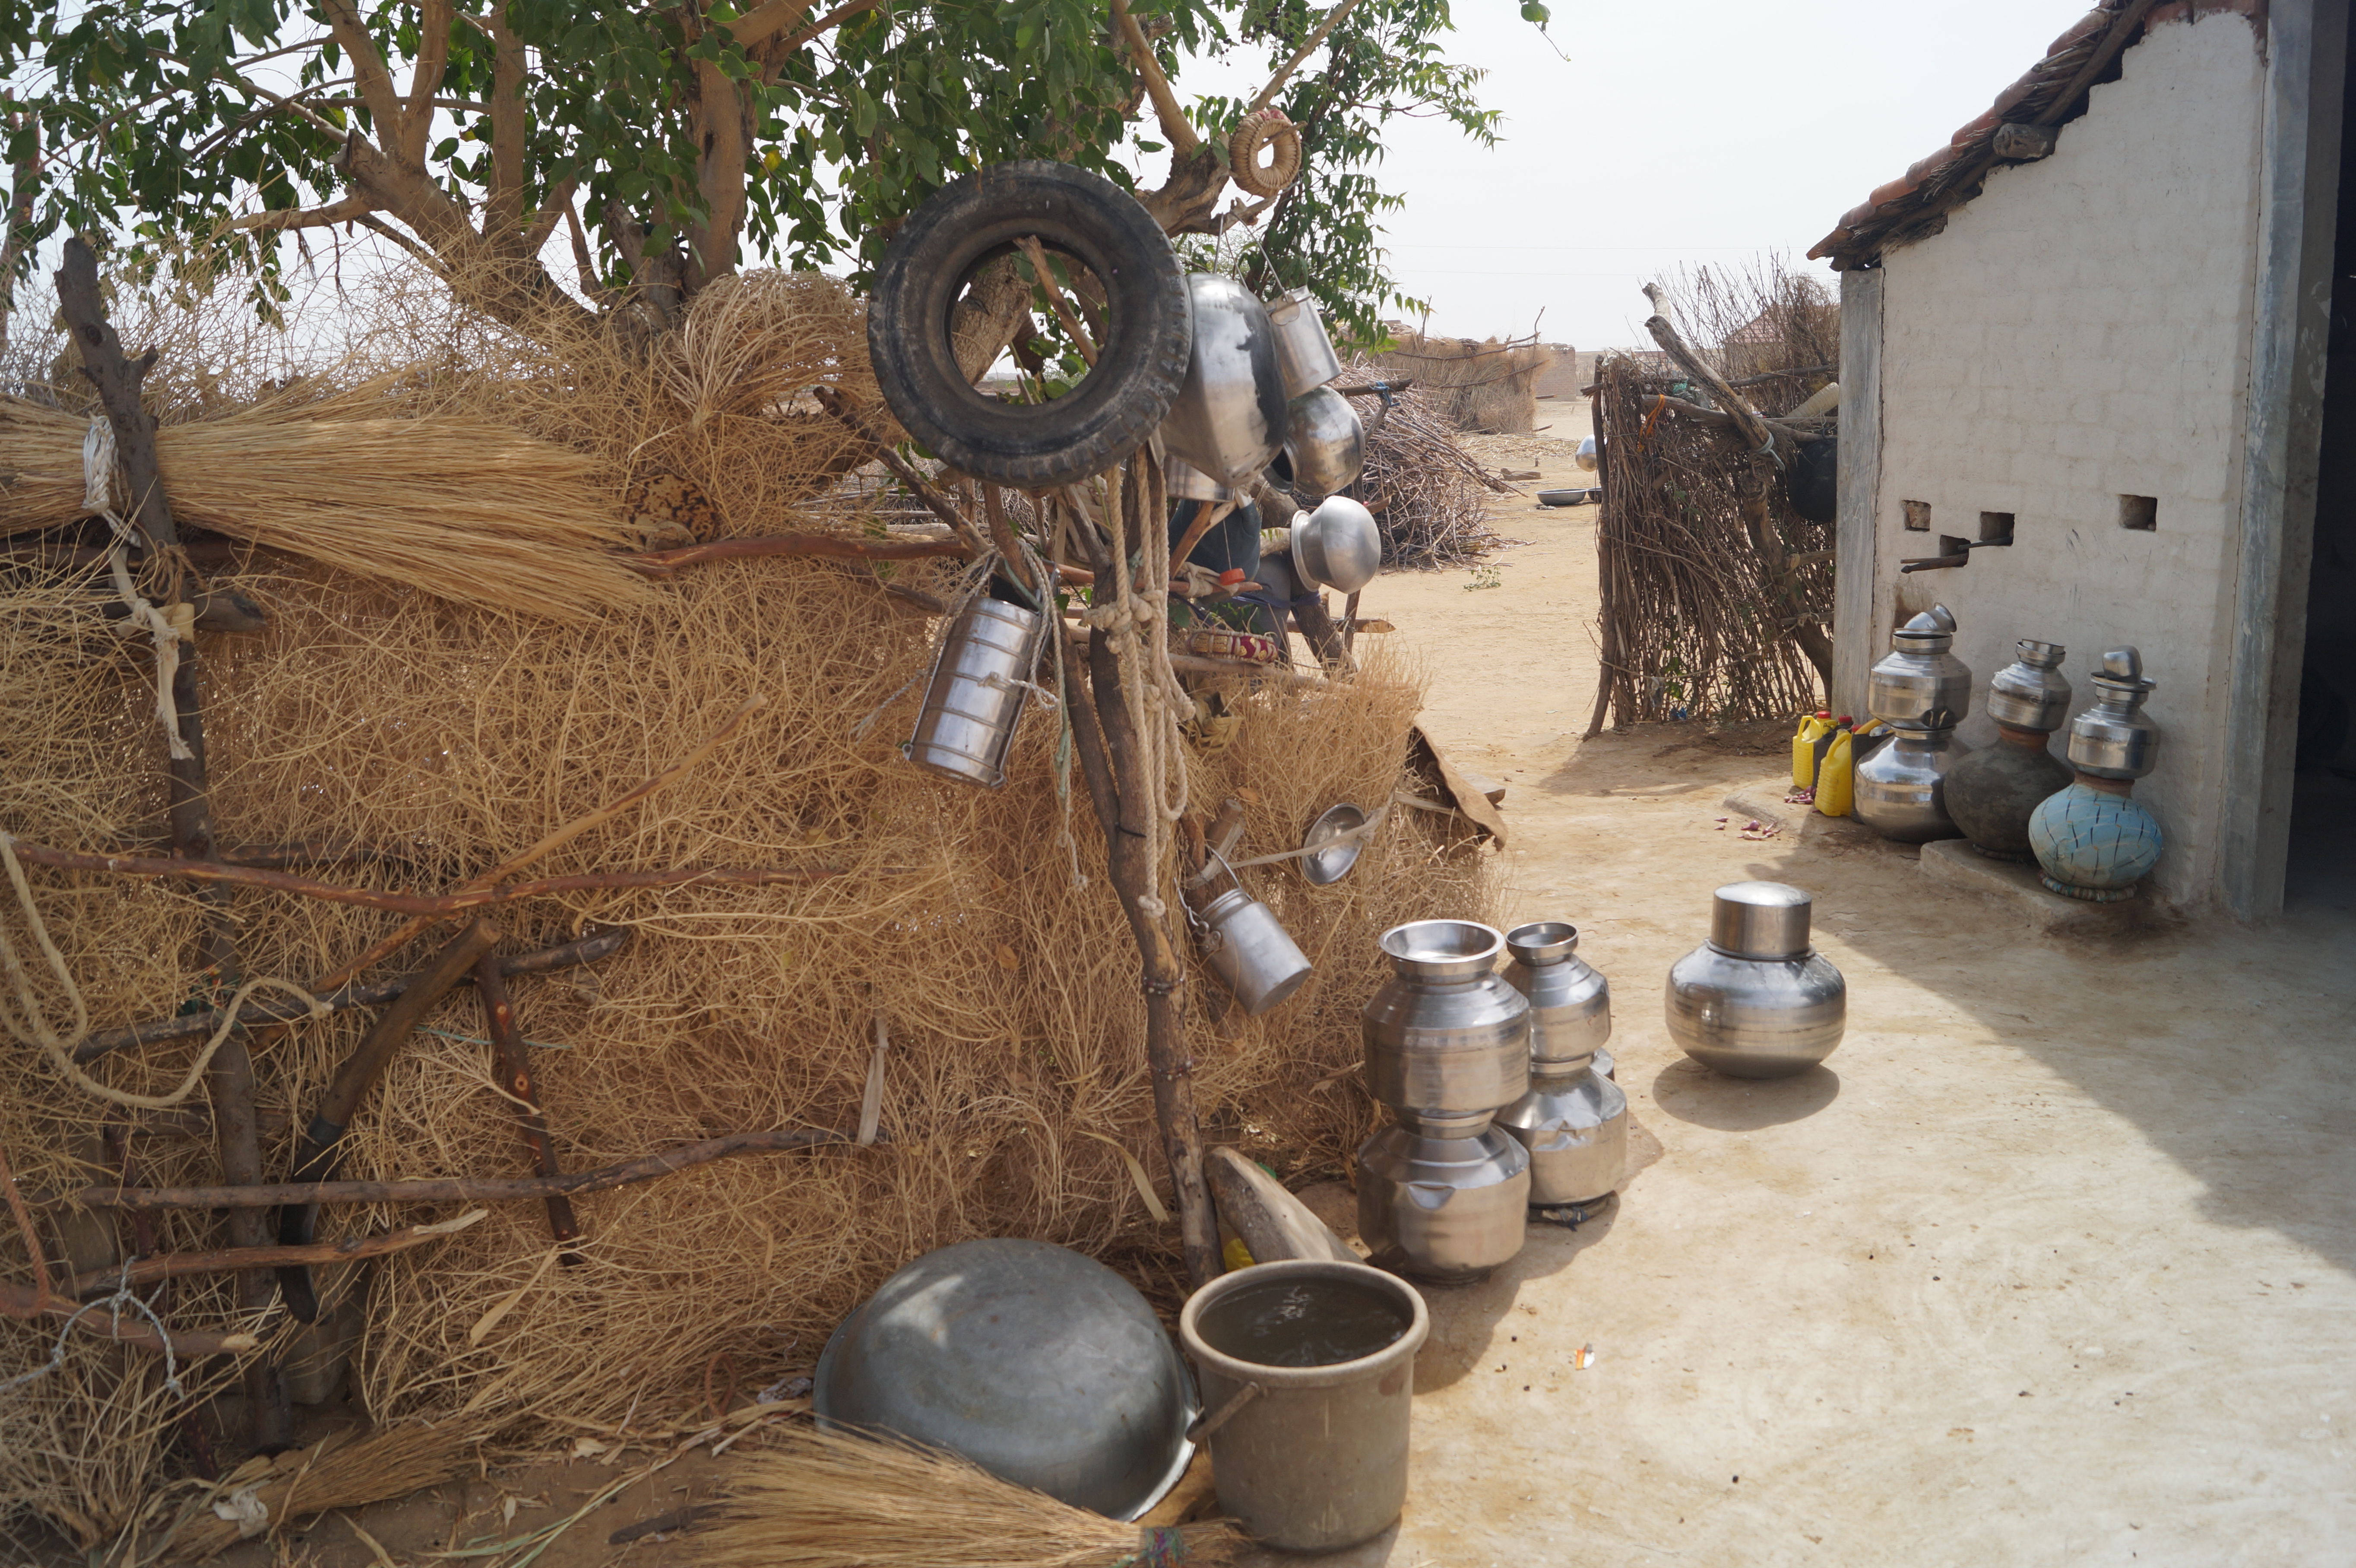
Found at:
<point>2093,844</point>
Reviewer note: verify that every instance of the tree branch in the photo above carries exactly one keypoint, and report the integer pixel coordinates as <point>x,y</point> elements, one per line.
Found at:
<point>503,212</point>
<point>1276,83</point>
<point>433,24</point>
<point>281,219</point>
<point>1174,125</point>
<point>369,72</point>
<point>764,22</point>
<point>234,1260</point>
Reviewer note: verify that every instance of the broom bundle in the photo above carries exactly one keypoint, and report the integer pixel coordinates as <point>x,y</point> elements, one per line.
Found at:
<point>826,1499</point>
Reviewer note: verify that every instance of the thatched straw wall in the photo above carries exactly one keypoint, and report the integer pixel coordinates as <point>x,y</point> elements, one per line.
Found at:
<point>434,738</point>
<point>1490,386</point>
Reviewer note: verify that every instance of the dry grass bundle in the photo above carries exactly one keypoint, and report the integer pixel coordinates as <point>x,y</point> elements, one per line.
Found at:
<point>346,1471</point>
<point>824,1499</point>
<point>472,511</point>
<point>1429,495</point>
<point>440,739</point>
<point>1489,385</point>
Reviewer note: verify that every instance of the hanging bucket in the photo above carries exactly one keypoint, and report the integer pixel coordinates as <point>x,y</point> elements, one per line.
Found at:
<point>975,699</point>
<point>1251,952</point>
<point>1307,1373</point>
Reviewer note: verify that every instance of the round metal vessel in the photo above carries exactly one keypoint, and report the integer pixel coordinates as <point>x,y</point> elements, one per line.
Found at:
<point>1571,1002</point>
<point>1229,418</point>
<point>1919,683</point>
<point>1251,952</point>
<point>2031,692</point>
<point>1338,545</point>
<point>1324,441</point>
<point>1575,1125</point>
<point>1181,481</point>
<point>1901,789</point>
<point>1330,862</point>
<point>2114,739</point>
<point>1446,1209</point>
<point>1042,1367</point>
<point>1448,1041</point>
<point>973,705</point>
<point>1318,1459</point>
<point>1770,1015</point>
<point>1304,352</point>
<point>1992,791</point>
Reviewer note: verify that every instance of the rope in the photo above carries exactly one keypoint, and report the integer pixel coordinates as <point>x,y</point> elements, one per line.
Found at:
<point>114,1305</point>
<point>33,1027</point>
<point>1137,620</point>
<point>98,460</point>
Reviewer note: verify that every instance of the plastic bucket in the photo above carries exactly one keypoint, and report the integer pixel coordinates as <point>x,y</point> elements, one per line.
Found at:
<point>1308,1436</point>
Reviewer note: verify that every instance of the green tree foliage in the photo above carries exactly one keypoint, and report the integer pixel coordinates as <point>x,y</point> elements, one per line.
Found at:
<point>671,141</point>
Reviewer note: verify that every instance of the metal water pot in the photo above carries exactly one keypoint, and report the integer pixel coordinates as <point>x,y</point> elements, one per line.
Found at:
<point>1900,791</point>
<point>1919,683</point>
<point>2031,693</point>
<point>1181,481</point>
<point>1324,442</point>
<point>1756,1001</point>
<point>1304,353</point>
<point>1338,545</point>
<point>1448,1041</point>
<point>1571,1002</point>
<point>1229,416</point>
<point>1443,1207</point>
<point>1575,1125</point>
<point>1250,950</point>
<point>974,701</point>
<point>2115,739</point>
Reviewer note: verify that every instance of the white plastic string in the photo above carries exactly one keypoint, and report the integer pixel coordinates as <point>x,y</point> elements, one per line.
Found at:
<point>98,460</point>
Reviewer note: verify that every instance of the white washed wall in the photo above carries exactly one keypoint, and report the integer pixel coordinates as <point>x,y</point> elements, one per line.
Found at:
<point>2079,332</point>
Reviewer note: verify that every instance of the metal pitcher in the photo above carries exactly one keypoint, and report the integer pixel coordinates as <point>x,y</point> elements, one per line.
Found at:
<point>967,724</point>
<point>1303,351</point>
<point>1757,1000</point>
<point>1900,791</point>
<point>1443,1207</point>
<point>1249,950</point>
<point>1229,417</point>
<point>1571,1002</point>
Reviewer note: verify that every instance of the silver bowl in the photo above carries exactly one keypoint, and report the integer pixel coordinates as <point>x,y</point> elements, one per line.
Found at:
<point>1337,546</point>
<point>1331,862</point>
<point>1042,1367</point>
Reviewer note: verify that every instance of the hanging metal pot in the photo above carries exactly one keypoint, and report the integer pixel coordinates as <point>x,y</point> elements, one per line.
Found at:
<point>1303,350</point>
<point>1324,444</point>
<point>1338,545</point>
<point>1229,417</point>
<point>1250,950</point>
<point>967,724</point>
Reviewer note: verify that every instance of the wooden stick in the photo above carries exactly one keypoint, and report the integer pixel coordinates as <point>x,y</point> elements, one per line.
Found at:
<point>257,1014</point>
<point>553,842</point>
<point>1208,515</point>
<point>1175,123</point>
<point>457,1188</point>
<point>663,563</point>
<point>230,1260</point>
<point>230,1073</point>
<point>424,905</point>
<point>1010,547</point>
<point>1037,254</point>
<point>941,506</point>
<point>515,1068</point>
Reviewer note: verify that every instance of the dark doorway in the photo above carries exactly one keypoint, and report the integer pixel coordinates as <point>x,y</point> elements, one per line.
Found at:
<point>2323,795</point>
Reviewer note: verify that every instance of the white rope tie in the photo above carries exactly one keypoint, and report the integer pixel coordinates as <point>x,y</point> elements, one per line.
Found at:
<point>1137,619</point>
<point>98,462</point>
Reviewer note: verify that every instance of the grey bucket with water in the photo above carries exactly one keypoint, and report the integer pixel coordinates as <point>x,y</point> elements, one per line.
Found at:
<point>1307,1374</point>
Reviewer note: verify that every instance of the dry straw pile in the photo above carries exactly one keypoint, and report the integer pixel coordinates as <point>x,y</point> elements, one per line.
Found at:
<point>1485,385</point>
<point>424,737</point>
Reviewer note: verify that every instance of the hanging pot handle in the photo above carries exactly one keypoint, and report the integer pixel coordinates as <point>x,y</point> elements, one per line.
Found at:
<point>1202,1427</point>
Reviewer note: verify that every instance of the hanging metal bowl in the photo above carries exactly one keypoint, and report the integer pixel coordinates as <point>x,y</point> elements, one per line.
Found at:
<point>1331,861</point>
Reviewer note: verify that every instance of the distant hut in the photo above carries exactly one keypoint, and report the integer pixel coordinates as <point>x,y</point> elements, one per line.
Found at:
<point>1489,385</point>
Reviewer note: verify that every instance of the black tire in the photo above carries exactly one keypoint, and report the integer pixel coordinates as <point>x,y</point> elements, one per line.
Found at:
<point>1150,328</point>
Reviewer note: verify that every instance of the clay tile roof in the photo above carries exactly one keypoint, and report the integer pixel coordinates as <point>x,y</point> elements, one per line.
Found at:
<point>1915,206</point>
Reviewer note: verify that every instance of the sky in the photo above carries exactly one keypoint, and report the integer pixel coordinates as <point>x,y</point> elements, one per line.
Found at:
<point>1677,131</point>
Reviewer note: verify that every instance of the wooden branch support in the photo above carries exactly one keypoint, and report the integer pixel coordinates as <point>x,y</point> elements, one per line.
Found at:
<point>256,1014</point>
<point>515,1074</point>
<point>178,1266</point>
<point>452,1190</point>
<point>118,379</point>
<point>941,506</point>
<point>661,563</point>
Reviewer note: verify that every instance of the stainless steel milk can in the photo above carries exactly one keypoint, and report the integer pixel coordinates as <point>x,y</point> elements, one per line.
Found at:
<point>1251,952</point>
<point>1756,1001</point>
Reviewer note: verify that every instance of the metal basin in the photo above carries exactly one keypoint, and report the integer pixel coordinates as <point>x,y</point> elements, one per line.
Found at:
<point>1042,1367</point>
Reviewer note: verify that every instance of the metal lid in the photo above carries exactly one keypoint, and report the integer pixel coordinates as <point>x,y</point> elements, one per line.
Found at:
<point>1930,633</point>
<point>1543,942</point>
<point>1759,919</point>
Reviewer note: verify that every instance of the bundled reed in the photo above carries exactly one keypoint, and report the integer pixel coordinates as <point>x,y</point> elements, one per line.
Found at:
<point>824,1499</point>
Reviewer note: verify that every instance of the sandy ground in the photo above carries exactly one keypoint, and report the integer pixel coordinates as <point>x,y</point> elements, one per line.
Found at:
<point>2050,1265</point>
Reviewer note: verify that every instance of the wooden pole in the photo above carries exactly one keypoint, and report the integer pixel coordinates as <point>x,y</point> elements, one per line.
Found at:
<point>1607,679</point>
<point>118,379</point>
<point>515,1077</point>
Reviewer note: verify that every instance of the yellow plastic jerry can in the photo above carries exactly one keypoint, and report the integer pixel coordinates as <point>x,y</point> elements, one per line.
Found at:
<point>1836,780</point>
<point>1808,748</point>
